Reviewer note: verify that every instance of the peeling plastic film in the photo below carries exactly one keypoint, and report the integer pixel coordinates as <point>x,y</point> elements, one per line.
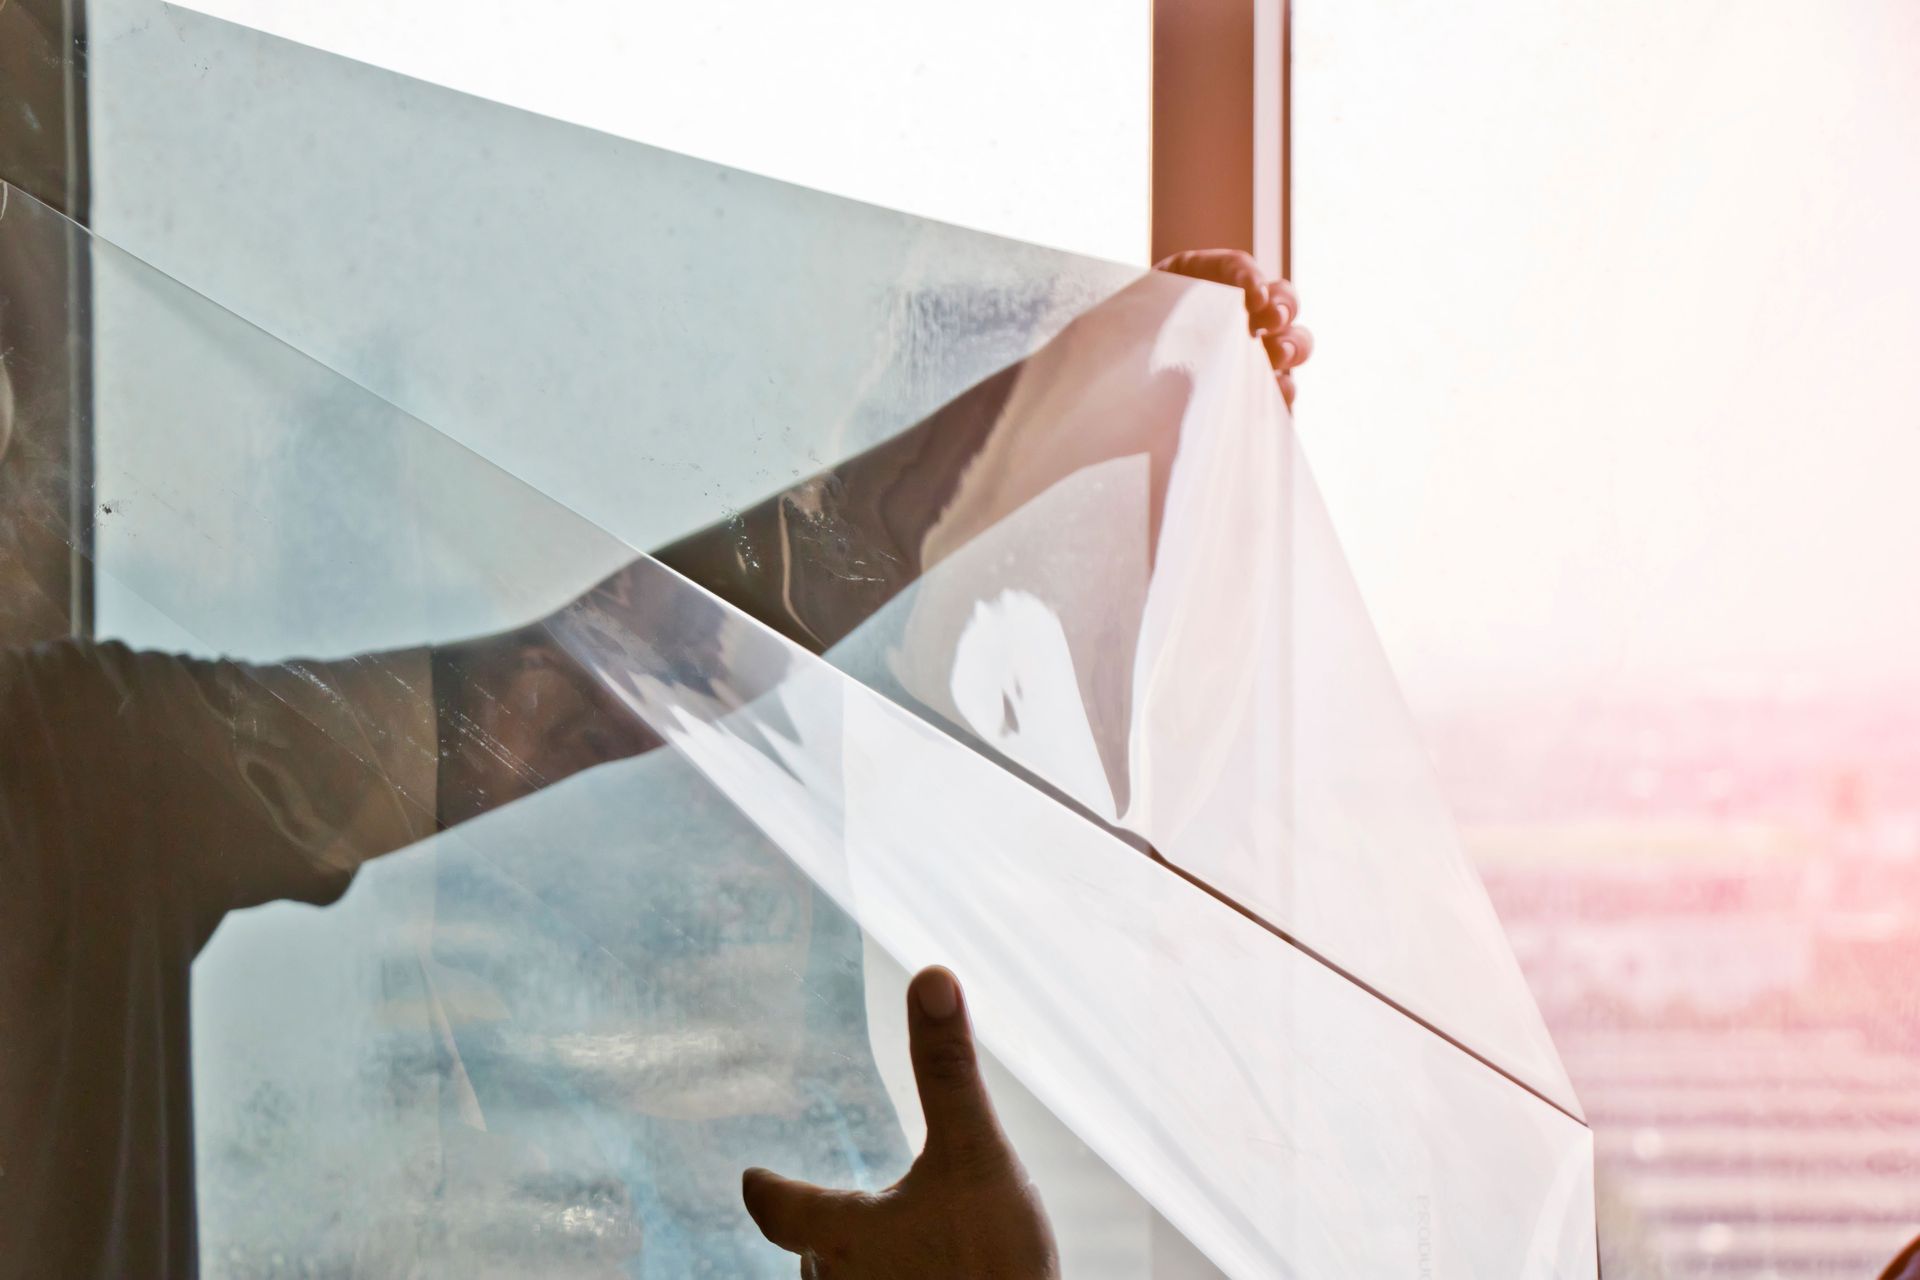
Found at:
<point>623,858</point>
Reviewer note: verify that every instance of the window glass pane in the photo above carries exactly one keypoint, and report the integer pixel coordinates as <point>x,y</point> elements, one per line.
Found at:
<point>657,342</point>
<point>546,1039</point>
<point>1095,715</point>
<point>1614,400</point>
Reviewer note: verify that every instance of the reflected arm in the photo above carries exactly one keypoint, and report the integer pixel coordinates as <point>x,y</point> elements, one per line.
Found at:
<point>516,714</point>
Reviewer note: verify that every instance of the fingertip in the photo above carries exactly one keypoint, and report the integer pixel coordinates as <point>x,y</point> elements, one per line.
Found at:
<point>1275,346</point>
<point>754,1184</point>
<point>772,1202</point>
<point>759,1197</point>
<point>937,992</point>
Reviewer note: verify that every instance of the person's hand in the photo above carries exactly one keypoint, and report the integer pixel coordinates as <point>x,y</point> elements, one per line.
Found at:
<point>1272,305</point>
<point>965,1208</point>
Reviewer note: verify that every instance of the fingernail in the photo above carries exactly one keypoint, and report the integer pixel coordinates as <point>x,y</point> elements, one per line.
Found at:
<point>938,994</point>
<point>1286,352</point>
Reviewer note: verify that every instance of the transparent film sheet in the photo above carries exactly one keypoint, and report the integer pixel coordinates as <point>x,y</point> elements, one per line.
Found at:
<point>652,339</point>
<point>569,1020</point>
<point>660,343</point>
<point>1278,1104</point>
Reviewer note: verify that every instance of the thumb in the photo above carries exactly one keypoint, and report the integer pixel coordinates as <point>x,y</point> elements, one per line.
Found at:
<point>960,1120</point>
<point>797,1216</point>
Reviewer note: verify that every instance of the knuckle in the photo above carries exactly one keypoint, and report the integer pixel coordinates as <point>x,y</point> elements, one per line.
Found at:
<point>981,1159</point>
<point>949,1062</point>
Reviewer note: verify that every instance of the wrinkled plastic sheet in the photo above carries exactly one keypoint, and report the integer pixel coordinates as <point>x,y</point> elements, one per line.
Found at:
<point>1123,753</point>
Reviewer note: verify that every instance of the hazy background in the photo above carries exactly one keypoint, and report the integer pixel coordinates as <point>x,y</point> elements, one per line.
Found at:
<point>1616,301</point>
<point>1615,409</point>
